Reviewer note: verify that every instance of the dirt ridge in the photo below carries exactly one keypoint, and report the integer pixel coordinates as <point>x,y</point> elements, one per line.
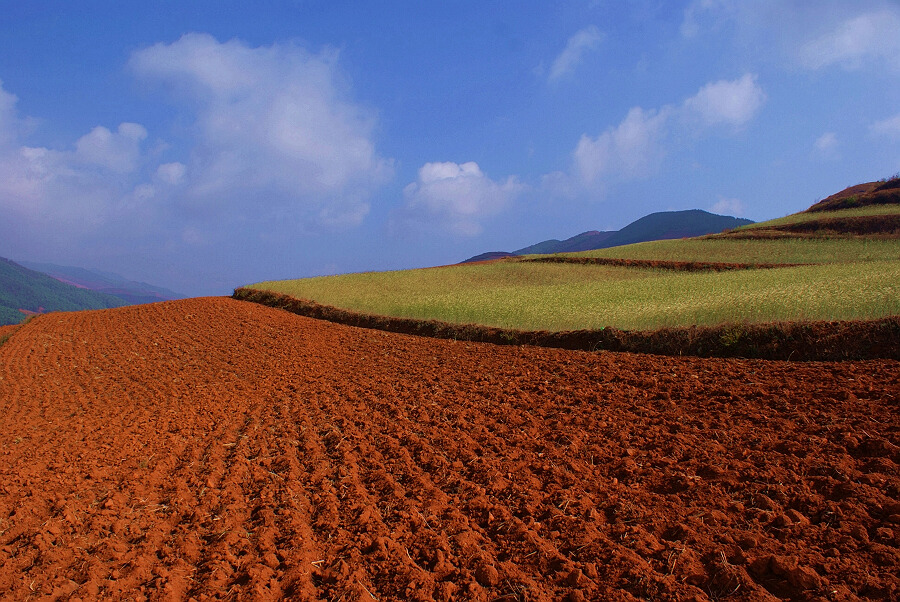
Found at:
<point>797,341</point>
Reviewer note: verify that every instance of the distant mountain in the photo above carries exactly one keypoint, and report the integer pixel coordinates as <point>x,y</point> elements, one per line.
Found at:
<point>490,255</point>
<point>673,224</point>
<point>130,291</point>
<point>656,226</point>
<point>24,291</point>
<point>582,242</point>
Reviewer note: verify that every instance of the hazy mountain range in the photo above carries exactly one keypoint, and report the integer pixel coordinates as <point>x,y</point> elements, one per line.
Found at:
<point>40,288</point>
<point>130,291</point>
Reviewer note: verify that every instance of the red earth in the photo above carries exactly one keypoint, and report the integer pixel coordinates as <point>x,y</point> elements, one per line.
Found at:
<point>217,449</point>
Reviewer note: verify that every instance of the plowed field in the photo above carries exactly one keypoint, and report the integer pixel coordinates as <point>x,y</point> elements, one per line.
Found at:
<point>216,449</point>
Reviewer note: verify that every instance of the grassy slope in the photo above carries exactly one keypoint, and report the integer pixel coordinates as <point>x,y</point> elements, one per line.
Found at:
<point>855,278</point>
<point>565,296</point>
<point>735,250</point>
<point>820,215</point>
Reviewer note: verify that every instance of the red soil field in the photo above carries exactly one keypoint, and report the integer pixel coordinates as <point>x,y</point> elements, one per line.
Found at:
<point>218,449</point>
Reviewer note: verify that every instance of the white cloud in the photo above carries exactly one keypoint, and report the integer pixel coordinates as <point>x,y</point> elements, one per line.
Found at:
<point>171,173</point>
<point>637,146</point>
<point>273,123</point>
<point>456,197</point>
<point>62,194</point>
<point>889,127</point>
<point>826,146</point>
<point>118,152</point>
<point>726,206</point>
<point>810,35</point>
<point>724,102</point>
<point>855,41</point>
<point>276,144</point>
<point>577,46</point>
<point>632,148</point>
<point>49,191</point>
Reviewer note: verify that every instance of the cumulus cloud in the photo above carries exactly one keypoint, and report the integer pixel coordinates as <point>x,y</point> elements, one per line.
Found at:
<point>577,46</point>
<point>48,192</point>
<point>272,123</point>
<point>455,197</point>
<point>118,152</point>
<point>275,144</point>
<point>63,193</point>
<point>851,43</point>
<point>732,103</point>
<point>726,206</point>
<point>637,146</point>
<point>889,127</point>
<point>632,148</point>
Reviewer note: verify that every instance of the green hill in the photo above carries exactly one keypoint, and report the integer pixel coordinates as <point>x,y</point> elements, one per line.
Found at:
<point>33,292</point>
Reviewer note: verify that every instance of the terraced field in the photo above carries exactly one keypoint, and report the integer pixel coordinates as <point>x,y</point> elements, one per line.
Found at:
<point>214,449</point>
<point>839,260</point>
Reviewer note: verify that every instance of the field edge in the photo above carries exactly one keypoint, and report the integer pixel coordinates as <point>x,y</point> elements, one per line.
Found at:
<point>794,341</point>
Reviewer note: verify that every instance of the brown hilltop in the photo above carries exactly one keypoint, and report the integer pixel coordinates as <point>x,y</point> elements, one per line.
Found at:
<point>884,225</point>
<point>217,449</point>
<point>861,195</point>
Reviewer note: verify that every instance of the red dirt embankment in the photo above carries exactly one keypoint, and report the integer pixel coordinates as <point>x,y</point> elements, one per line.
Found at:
<point>216,449</point>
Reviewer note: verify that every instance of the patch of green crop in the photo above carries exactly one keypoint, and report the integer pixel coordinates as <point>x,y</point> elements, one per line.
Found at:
<point>533,296</point>
<point>799,218</point>
<point>736,250</point>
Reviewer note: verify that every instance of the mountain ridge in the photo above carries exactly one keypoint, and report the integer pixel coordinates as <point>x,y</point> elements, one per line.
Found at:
<point>660,225</point>
<point>24,292</point>
<point>131,291</point>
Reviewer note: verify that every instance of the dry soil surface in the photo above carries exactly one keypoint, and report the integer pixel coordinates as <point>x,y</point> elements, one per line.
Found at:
<point>218,449</point>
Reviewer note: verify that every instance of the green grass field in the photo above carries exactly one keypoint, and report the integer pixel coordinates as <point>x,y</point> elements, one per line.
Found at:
<point>569,297</point>
<point>848,278</point>
<point>735,250</point>
<point>798,218</point>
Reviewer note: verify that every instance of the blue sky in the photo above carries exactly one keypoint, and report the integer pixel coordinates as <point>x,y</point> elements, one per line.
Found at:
<point>206,145</point>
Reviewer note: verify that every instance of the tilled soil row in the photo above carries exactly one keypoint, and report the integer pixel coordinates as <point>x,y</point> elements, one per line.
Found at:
<point>216,449</point>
